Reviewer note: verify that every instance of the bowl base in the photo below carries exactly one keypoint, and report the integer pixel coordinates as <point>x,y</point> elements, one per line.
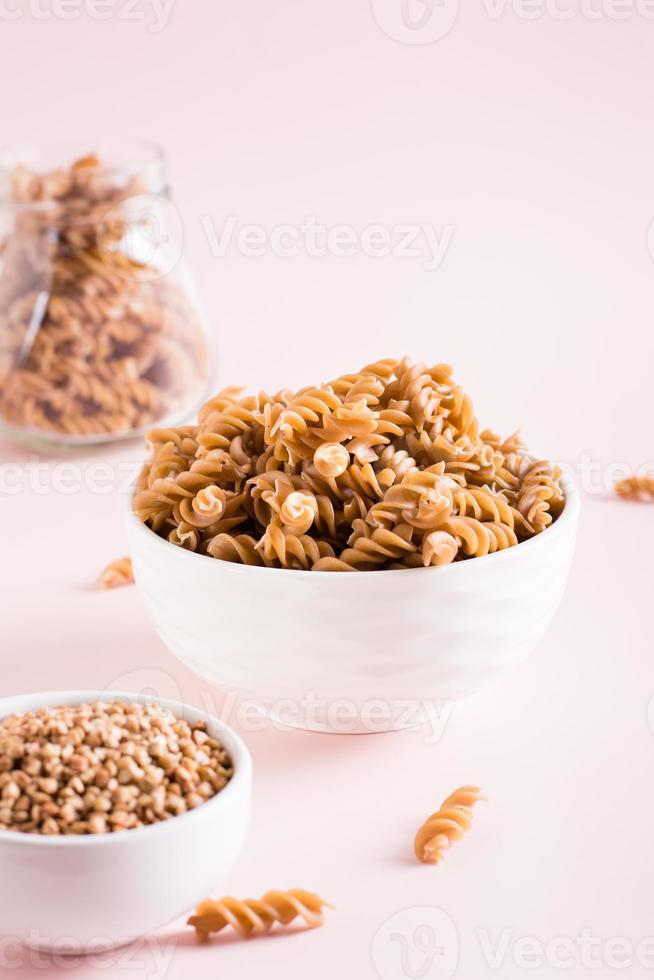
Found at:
<point>68,948</point>
<point>415,715</point>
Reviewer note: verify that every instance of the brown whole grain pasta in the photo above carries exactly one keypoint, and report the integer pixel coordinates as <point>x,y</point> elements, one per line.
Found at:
<point>93,342</point>
<point>382,469</point>
<point>117,573</point>
<point>253,917</point>
<point>636,488</point>
<point>448,824</point>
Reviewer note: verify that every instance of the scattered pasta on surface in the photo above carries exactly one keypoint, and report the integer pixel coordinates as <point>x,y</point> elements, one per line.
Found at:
<point>117,573</point>
<point>382,469</point>
<point>92,341</point>
<point>253,917</point>
<point>446,825</point>
<point>636,488</point>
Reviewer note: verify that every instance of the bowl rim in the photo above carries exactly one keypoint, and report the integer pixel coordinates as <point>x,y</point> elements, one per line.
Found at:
<point>238,750</point>
<point>135,156</point>
<point>565,522</point>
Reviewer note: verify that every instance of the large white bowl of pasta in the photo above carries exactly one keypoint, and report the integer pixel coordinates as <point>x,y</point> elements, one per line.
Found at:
<point>242,526</point>
<point>355,653</point>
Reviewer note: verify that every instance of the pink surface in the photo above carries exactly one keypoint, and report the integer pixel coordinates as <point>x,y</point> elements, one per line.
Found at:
<point>533,140</point>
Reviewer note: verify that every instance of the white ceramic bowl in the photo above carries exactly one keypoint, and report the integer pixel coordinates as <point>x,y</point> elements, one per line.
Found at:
<point>94,892</point>
<point>354,652</point>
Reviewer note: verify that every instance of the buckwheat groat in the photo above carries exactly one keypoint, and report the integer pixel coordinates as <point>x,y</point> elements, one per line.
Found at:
<point>104,767</point>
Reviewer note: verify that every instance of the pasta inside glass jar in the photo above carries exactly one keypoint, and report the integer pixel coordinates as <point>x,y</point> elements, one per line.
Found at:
<point>100,331</point>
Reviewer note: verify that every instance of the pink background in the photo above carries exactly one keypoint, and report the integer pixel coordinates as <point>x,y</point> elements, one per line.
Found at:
<point>534,140</point>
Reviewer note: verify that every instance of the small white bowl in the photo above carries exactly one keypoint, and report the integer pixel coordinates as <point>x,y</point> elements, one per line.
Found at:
<point>75,894</point>
<point>354,652</point>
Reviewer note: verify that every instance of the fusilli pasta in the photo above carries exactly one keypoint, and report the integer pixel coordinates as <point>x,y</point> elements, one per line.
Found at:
<point>378,470</point>
<point>253,917</point>
<point>117,573</point>
<point>92,342</point>
<point>446,825</point>
<point>636,488</point>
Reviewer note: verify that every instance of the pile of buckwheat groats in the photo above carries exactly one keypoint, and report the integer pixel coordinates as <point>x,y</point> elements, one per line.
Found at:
<point>103,767</point>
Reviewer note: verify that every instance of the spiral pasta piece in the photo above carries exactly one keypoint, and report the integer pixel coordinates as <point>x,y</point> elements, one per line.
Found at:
<point>636,488</point>
<point>117,573</point>
<point>482,504</point>
<point>439,548</point>
<point>287,427</point>
<point>254,917</point>
<point>292,550</point>
<point>396,460</point>
<point>205,508</point>
<point>539,498</point>
<point>422,499</point>
<point>512,444</point>
<point>418,391</point>
<point>373,546</point>
<point>185,536</point>
<point>331,459</point>
<point>239,548</point>
<point>449,823</point>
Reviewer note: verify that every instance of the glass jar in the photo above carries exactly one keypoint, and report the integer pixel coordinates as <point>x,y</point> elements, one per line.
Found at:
<point>100,331</point>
